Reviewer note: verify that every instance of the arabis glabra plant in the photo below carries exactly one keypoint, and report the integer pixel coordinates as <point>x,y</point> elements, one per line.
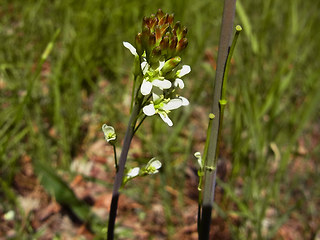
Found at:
<point>156,84</point>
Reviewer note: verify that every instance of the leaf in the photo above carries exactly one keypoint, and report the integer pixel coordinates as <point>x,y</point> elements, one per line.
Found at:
<point>58,188</point>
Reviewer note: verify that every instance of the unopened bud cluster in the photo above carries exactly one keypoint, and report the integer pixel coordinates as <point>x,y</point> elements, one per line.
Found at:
<point>160,37</point>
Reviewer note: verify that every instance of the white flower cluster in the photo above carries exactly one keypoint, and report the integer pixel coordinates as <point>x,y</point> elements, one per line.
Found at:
<point>154,83</point>
<point>151,168</point>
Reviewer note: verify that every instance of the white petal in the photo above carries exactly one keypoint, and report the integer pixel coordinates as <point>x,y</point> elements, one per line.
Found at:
<point>149,110</point>
<point>146,87</point>
<point>185,102</point>
<point>144,67</point>
<point>184,70</point>
<point>156,94</point>
<point>166,119</point>
<point>133,172</point>
<point>162,84</point>
<point>131,48</point>
<point>172,104</point>
<point>161,64</point>
<point>156,164</point>
<point>179,83</point>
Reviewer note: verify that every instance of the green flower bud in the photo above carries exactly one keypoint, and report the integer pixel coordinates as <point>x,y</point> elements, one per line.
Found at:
<point>109,134</point>
<point>138,42</point>
<point>137,66</point>
<point>170,64</point>
<point>155,56</point>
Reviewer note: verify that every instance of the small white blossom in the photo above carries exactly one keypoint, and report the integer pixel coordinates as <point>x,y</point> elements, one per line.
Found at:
<point>179,83</point>
<point>153,78</point>
<point>162,107</point>
<point>185,102</point>
<point>183,71</point>
<point>9,216</point>
<point>133,172</point>
<point>153,166</point>
<point>109,133</point>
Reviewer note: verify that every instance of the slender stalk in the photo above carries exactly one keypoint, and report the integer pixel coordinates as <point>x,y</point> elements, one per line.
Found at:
<point>205,152</point>
<point>132,93</point>
<point>121,167</point>
<point>115,157</point>
<point>210,169</point>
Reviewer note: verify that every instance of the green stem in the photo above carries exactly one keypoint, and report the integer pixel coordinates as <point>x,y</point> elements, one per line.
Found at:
<point>136,129</point>
<point>210,168</point>
<point>205,152</point>
<point>115,157</point>
<point>132,93</point>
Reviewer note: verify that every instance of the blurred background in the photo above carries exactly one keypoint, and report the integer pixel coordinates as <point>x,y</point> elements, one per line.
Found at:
<point>56,170</point>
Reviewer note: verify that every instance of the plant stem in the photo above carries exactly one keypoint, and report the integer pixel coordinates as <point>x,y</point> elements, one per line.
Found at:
<point>210,167</point>
<point>115,157</point>
<point>121,167</point>
<point>204,157</point>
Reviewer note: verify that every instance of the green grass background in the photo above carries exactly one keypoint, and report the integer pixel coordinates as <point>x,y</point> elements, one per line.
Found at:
<point>273,96</point>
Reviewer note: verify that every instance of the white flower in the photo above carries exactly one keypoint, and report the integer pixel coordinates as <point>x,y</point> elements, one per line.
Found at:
<point>179,83</point>
<point>162,107</point>
<point>153,78</point>
<point>185,102</point>
<point>183,71</point>
<point>133,172</point>
<point>109,133</point>
<point>153,166</point>
<point>131,48</point>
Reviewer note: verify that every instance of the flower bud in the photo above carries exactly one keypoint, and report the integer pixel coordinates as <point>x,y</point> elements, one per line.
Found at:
<point>138,42</point>
<point>164,44</point>
<point>109,134</point>
<point>155,56</point>
<point>145,38</point>
<point>170,19</point>
<point>159,14</point>
<point>170,64</point>
<point>173,42</point>
<point>151,41</point>
<point>137,66</point>
<point>182,44</point>
<point>164,19</point>
<point>177,27</point>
